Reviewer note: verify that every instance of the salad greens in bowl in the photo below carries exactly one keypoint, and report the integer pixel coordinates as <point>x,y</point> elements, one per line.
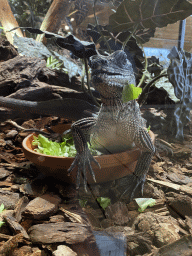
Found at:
<point>54,159</point>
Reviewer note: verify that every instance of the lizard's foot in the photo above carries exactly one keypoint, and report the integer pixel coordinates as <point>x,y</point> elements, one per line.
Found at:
<point>83,162</point>
<point>135,182</point>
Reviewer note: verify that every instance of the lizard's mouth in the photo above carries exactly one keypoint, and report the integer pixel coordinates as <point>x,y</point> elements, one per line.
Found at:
<point>108,78</point>
<point>104,72</point>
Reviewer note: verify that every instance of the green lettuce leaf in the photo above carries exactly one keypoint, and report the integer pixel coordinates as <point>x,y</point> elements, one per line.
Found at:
<point>130,92</point>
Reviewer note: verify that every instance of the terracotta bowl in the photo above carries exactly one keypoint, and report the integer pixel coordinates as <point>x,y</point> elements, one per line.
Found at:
<point>113,166</point>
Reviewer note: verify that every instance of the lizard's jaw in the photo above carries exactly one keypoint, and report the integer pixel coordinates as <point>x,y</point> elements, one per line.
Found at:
<point>110,79</point>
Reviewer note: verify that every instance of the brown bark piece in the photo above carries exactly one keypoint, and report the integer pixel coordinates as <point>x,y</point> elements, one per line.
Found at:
<point>23,251</point>
<point>26,76</point>
<point>177,248</point>
<point>9,199</point>
<point>70,233</point>
<point>181,204</point>
<point>4,173</point>
<point>4,237</point>
<point>20,69</point>
<point>161,229</point>
<point>118,212</point>
<point>15,226</point>
<point>7,51</point>
<point>42,207</point>
<point>22,203</point>
<point>9,246</point>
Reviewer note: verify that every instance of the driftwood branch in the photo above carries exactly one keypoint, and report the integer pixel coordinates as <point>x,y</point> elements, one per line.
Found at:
<point>57,12</point>
<point>8,20</point>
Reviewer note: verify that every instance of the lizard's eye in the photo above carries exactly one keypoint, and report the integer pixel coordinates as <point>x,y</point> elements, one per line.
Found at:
<point>103,62</point>
<point>124,61</point>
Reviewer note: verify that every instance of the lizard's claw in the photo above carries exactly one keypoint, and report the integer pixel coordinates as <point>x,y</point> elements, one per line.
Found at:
<point>83,162</point>
<point>135,182</point>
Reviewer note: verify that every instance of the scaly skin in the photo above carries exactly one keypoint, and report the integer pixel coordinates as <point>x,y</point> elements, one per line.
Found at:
<point>118,126</point>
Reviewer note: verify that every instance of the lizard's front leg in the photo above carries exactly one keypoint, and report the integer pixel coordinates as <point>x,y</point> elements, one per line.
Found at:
<point>81,131</point>
<point>143,141</point>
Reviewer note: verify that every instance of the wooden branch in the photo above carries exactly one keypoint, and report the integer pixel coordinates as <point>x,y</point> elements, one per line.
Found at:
<point>8,20</point>
<point>57,12</point>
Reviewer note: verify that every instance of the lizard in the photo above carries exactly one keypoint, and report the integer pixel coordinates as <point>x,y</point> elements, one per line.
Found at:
<point>117,126</point>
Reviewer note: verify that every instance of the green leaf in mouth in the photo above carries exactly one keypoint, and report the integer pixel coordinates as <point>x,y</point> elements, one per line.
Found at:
<point>130,92</point>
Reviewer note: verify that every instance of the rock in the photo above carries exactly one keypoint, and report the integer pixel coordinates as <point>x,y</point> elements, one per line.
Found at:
<point>161,229</point>
<point>9,199</point>
<point>68,232</point>
<point>42,207</point>
<point>63,250</point>
<point>181,204</point>
<point>4,173</point>
<point>118,213</point>
<point>11,134</point>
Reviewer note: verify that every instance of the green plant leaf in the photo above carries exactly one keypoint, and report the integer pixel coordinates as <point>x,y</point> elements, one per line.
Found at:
<point>130,92</point>
<point>104,202</point>
<point>148,15</point>
<point>2,208</point>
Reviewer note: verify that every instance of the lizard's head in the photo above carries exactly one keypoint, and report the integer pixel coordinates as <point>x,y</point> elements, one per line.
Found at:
<point>111,73</point>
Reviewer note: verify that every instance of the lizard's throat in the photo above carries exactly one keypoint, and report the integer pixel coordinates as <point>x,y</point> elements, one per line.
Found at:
<point>110,94</point>
<point>111,101</point>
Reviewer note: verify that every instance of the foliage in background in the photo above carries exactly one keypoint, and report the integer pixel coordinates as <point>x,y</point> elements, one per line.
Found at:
<point>180,75</point>
<point>141,17</point>
<point>30,13</point>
